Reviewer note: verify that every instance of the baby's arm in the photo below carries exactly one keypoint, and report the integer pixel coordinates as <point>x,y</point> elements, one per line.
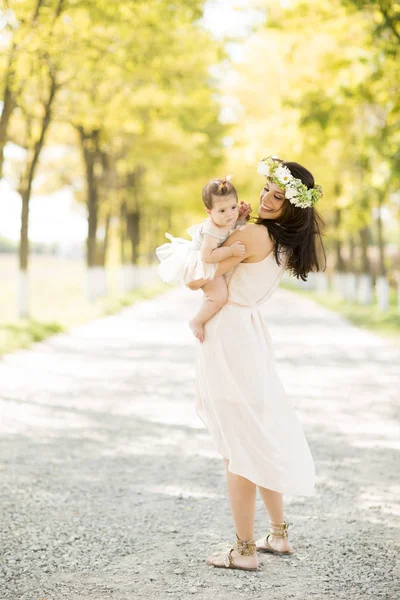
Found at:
<point>211,253</point>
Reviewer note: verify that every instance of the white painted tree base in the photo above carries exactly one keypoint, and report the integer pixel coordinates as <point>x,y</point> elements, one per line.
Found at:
<point>23,311</point>
<point>310,284</point>
<point>321,282</point>
<point>127,278</point>
<point>382,290</point>
<point>96,283</point>
<point>350,280</point>
<point>365,289</point>
<point>339,284</point>
<point>149,275</point>
<point>132,277</point>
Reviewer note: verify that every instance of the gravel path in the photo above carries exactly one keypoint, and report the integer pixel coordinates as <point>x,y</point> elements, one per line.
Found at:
<point>110,487</point>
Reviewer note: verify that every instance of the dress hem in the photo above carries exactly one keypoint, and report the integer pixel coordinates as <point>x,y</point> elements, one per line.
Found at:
<point>287,491</point>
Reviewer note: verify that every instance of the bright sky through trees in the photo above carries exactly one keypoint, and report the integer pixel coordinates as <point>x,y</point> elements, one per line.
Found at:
<point>57,217</point>
<point>311,81</point>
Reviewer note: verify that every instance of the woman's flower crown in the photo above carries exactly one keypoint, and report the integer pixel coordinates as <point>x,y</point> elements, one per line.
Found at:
<point>295,190</point>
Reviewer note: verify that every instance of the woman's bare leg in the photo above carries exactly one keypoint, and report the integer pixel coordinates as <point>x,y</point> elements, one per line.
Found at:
<point>242,497</point>
<point>215,296</point>
<point>274,504</point>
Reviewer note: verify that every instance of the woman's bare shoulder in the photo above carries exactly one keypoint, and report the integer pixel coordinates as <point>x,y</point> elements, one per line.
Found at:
<point>248,229</point>
<point>255,238</point>
<point>258,233</point>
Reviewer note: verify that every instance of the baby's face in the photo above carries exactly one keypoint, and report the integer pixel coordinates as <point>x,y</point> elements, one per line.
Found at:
<point>225,210</point>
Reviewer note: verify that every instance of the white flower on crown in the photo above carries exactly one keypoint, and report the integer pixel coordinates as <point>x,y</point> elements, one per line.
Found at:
<point>283,174</point>
<point>263,168</point>
<point>296,201</point>
<point>291,193</point>
<point>295,191</point>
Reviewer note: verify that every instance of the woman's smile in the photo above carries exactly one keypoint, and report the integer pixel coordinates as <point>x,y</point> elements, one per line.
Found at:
<point>267,208</point>
<point>272,198</point>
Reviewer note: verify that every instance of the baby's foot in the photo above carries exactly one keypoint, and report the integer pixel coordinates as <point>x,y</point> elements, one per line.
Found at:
<point>197,329</point>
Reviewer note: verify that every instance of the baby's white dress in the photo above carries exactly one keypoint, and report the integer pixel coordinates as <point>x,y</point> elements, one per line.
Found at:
<point>181,259</point>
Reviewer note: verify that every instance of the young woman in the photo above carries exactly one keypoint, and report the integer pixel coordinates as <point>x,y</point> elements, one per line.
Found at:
<point>239,395</point>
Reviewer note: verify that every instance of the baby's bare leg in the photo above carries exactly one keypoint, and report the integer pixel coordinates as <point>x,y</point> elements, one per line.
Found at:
<point>197,284</point>
<point>215,296</point>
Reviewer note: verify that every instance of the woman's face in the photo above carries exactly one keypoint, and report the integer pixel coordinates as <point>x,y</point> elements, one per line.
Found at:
<point>272,198</point>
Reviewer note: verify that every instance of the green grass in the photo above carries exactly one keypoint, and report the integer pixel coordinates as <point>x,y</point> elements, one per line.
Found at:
<point>24,333</point>
<point>114,305</point>
<point>57,298</point>
<point>386,324</point>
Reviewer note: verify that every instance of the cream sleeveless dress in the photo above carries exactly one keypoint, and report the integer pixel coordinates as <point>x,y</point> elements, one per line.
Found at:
<point>240,397</point>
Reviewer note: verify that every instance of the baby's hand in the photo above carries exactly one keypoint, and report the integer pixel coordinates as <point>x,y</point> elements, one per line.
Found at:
<point>238,249</point>
<point>244,209</point>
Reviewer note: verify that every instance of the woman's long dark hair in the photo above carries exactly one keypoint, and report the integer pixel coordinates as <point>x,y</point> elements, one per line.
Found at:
<point>298,231</point>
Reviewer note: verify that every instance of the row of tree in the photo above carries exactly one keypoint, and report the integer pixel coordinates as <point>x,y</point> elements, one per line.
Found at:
<point>320,84</point>
<point>130,85</point>
<point>129,82</point>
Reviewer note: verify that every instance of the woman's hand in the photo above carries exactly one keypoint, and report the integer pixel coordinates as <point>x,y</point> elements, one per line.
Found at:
<point>238,249</point>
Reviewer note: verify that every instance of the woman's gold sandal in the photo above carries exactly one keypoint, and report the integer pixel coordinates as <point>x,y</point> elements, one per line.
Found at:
<point>244,548</point>
<point>277,530</point>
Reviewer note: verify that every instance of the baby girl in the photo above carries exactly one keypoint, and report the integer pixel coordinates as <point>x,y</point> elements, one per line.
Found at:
<point>184,261</point>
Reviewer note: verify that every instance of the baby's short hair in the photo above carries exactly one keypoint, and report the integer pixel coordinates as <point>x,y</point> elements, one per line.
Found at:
<point>217,187</point>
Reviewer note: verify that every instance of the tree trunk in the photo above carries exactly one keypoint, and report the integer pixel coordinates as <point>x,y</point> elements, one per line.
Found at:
<point>133,214</point>
<point>381,242</point>
<point>30,169</point>
<point>352,254</point>
<point>106,239</point>
<point>92,203</point>
<point>122,231</point>
<point>24,237</point>
<point>340,264</point>
<point>9,94</point>
<point>133,229</point>
<point>364,239</point>
<point>8,106</point>
<point>26,188</point>
<point>90,149</point>
<point>23,282</point>
<point>151,227</point>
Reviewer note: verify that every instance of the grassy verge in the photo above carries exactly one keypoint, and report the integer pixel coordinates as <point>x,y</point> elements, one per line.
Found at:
<point>24,332</point>
<point>386,324</point>
<point>113,305</point>
<point>58,300</point>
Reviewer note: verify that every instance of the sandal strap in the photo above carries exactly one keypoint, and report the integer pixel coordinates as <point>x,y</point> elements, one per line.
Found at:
<point>229,560</point>
<point>278,530</point>
<point>245,547</point>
